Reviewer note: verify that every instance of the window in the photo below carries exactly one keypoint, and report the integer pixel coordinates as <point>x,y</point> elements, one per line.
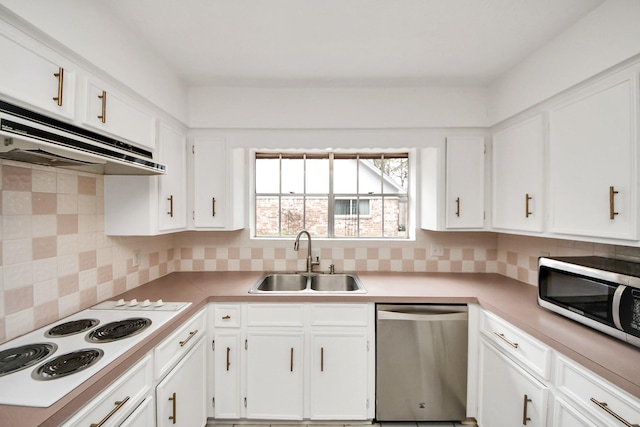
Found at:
<point>334,195</point>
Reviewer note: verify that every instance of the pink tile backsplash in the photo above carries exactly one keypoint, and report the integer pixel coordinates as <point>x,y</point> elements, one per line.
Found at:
<point>56,260</point>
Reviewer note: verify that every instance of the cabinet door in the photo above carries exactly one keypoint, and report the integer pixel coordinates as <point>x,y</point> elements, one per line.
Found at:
<point>274,375</point>
<point>109,110</point>
<point>508,395</point>
<point>465,182</point>
<point>338,376</point>
<point>592,150</point>
<point>227,370</point>
<point>218,185</point>
<point>180,396</point>
<point>566,415</point>
<point>517,176</point>
<point>143,416</point>
<point>32,74</point>
<point>173,185</point>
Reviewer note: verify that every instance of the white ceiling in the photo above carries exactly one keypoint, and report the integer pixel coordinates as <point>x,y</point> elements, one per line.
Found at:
<point>317,43</point>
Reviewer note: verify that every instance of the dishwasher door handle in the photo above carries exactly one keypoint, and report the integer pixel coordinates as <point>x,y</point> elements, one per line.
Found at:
<point>421,317</point>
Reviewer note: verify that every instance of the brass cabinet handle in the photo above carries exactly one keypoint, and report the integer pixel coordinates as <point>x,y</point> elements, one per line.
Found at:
<point>119,404</point>
<point>527,198</point>
<point>174,399</point>
<point>191,334</point>
<point>603,405</point>
<point>458,207</point>
<point>291,361</point>
<point>321,359</point>
<point>512,344</point>
<point>103,97</point>
<point>525,418</point>
<point>60,76</point>
<point>228,361</point>
<point>227,317</point>
<point>213,206</point>
<point>612,209</point>
<point>170,200</point>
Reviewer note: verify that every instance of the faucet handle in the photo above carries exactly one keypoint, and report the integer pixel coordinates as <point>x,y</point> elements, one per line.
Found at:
<point>332,269</point>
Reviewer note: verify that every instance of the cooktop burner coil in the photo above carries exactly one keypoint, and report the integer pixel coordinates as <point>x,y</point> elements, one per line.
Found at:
<point>118,330</point>
<point>67,364</point>
<point>71,327</point>
<point>18,358</point>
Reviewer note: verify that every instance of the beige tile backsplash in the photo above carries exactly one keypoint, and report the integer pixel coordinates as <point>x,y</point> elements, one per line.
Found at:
<point>55,258</point>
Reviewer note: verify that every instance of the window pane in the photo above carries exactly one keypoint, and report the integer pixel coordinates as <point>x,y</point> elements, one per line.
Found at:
<point>395,217</point>
<point>267,216</point>
<point>342,207</point>
<point>293,176</point>
<point>318,176</point>
<point>292,215</point>
<point>345,177</point>
<point>346,226</point>
<point>363,207</point>
<point>371,224</point>
<point>267,175</point>
<point>396,171</point>
<point>317,216</point>
<point>370,177</point>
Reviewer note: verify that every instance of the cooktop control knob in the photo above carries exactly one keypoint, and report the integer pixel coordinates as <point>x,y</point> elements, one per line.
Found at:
<point>145,303</point>
<point>133,302</point>
<point>159,303</point>
<point>120,302</point>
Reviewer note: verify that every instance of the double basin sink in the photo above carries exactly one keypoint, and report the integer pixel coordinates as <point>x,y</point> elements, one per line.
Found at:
<point>296,283</point>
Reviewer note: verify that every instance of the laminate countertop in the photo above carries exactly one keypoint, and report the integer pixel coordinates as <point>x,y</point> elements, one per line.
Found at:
<point>509,299</point>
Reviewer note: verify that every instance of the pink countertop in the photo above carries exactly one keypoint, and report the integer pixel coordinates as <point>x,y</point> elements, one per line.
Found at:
<point>511,300</point>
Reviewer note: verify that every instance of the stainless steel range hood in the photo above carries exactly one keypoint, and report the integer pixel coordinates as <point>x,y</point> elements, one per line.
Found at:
<point>27,136</point>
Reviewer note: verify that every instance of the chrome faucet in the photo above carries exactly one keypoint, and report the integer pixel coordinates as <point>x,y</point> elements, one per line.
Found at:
<point>296,246</point>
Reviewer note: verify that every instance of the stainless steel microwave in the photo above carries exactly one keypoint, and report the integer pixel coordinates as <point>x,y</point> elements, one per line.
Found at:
<point>602,293</point>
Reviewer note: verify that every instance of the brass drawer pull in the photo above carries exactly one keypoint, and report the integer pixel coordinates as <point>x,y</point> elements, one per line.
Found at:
<point>502,337</point>
<point>191,334</point>
<point>119,404</point>
<point>458,207</point>
<point>103,97</point>
<point>174,399</point>
<point>291,361</point>
<point>170,200</point>
<point>321,359</point>
<point>527,198</point>
<point>213,206</point>
<point>227,317</point>
<point>612,204</point>
<point>604,406</point>
<point>525,418</point>
<point>228,359</point>
<point>60,76</point>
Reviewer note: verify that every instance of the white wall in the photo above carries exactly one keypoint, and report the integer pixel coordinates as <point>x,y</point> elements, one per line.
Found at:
<point>86,28</point>
<point>336,108</point>
<point>607,36</point>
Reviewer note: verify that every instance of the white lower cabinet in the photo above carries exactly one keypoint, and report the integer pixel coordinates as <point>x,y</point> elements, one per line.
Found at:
<point>508,395</point>
<point>119,400</point>
<point>275,364</point>
<point>143,416</point>
<point>291,362</point>
<point>180,396</point>
<point>338,376</point>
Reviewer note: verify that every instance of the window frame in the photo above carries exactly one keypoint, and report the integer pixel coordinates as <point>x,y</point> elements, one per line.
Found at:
<point>406,197</point>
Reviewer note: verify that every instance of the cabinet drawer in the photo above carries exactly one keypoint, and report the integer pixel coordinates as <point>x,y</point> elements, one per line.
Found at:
<point>125,394</point>
<point>597,396</point>
<point>291,315</point>
<point>169,351</point>
<point>227,315</point>
<point>533,354</point>
<point>341,314</point>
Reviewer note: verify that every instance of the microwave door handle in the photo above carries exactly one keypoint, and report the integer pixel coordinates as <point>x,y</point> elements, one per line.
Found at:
<point>615,310</point>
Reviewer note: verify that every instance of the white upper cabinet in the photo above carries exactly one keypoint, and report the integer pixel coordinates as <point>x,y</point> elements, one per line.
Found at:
<point>150,205</point>
<point>465,182</point>
<point>35,75</point>
<point>518,164</point>
<point>219,185</point>
<point>593,161</point>
<point>109,110</point>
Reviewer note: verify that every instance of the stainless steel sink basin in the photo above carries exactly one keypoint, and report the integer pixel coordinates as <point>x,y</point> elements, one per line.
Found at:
<point>310,283</point>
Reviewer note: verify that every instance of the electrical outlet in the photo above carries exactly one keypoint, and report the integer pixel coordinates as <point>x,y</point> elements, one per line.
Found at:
<point>436,250</point>
<point>136,258</point>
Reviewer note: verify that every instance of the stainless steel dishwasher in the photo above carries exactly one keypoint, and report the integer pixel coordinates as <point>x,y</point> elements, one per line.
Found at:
<point>421,362</point>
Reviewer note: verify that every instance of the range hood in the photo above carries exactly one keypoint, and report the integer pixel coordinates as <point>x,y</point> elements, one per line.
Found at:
<point>27,136</point>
